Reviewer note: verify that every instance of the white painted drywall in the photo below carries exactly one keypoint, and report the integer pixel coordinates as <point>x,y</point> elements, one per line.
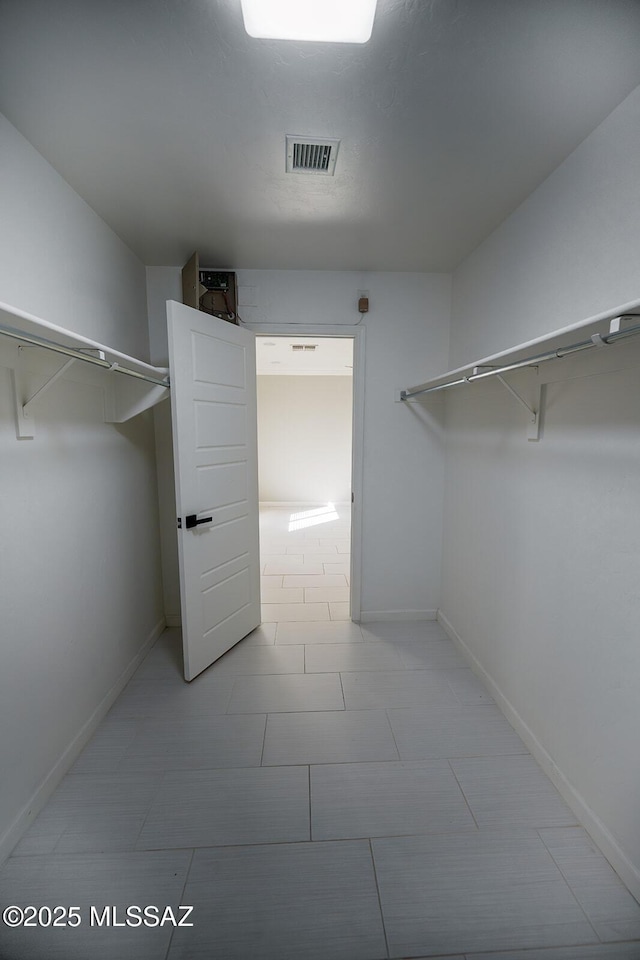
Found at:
<point>80,588</point>
<point>59,259</point>
<point>304,439</point>
<point>567,253</point>
<point>406,342</point>
<point>542,541</point>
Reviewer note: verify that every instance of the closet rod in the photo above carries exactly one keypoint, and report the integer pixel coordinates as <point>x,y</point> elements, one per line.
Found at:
<point>36,341</point>
<point>595,341</point>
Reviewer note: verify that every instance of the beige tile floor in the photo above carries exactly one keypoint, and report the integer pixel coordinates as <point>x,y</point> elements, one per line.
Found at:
<point>325,791</point>
<point>306,571</point>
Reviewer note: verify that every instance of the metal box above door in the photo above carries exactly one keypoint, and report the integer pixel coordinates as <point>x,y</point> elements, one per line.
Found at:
<point>211,291</point>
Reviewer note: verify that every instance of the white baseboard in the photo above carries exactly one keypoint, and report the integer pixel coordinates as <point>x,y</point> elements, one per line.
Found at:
<point>375,616</point>
<point>173,619</point>
<point>597,830</point>
<point>40,796</point>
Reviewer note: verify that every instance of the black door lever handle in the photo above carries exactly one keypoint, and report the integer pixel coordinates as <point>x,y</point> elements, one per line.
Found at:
<point>192,521</point>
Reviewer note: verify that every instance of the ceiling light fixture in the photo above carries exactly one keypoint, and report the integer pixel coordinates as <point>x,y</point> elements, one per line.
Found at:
<point>331,21</point>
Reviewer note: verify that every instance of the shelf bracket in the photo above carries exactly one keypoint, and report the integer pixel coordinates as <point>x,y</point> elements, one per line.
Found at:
<point>25,423</point>
<point>534,412</point>
<point>28,405</point>
<point>514,393</point>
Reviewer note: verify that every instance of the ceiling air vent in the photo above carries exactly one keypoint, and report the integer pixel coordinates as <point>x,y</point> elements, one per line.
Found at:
<point>310,155</point>
<point>298,347</point>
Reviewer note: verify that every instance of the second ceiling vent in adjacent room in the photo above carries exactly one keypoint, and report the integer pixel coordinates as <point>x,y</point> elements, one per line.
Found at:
<point>311,155</point>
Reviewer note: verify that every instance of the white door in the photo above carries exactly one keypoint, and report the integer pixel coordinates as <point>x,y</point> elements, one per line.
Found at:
<point>213,409</point>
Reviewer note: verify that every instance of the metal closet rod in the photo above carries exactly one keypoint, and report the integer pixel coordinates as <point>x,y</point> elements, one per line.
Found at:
<point>595,341</point>
<point>36,341</point>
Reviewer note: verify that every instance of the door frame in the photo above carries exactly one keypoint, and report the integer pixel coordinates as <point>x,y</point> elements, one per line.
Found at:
<point>357,334</point>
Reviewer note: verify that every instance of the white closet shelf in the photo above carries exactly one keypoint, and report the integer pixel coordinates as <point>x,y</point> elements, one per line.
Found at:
<point>139,386</point>
<point>623,322</point>
<point>598,331</point>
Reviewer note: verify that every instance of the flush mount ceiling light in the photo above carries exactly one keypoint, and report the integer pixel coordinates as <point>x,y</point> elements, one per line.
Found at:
<point>332,21</point>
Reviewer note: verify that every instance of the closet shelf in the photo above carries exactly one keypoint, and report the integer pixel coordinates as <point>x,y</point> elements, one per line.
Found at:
<point>624,322</point>
<point>138,387</point>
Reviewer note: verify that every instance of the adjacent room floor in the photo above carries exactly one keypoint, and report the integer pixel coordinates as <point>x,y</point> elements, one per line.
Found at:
<point>306,556</point>
<point>325,791</point>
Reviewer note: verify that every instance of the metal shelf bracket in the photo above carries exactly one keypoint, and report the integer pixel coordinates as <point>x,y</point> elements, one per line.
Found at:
<point>25,412</point>
<point>28,405</point>
<point>535,412</point>
<point>25,423</point>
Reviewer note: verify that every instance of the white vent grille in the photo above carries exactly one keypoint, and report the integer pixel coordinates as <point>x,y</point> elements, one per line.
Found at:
<point>310,155</point>
<point>299,347</point>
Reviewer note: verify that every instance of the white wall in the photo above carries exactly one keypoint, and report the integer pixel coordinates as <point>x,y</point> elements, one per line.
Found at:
<point>567,253</point>
<point>406,341</point>
<point>542,541</point>
<point>304,438</point>
<point>59,259</point>
<point>80,589</point>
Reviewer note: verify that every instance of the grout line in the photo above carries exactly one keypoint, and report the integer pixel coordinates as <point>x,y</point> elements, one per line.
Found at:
<point>57,843</point>
<point>462,792</point>
<point>561,872</point>
<point>264,738</point>
<point>344,702</point>
<point>184,887</point>
<point>259,843</point>
<point>310,818</point>
<point>386,716</point>
<point>226,713</point>
<point>336,763</point>
<point>375,877</point>
<point>303,713</point>
<point>392,733</point>
<point>161,780</point>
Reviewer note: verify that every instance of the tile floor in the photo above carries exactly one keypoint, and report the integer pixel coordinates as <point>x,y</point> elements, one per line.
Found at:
<point>326,791</point>
<point>305,571</point>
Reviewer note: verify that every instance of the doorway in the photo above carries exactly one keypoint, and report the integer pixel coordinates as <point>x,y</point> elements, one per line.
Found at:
<point>305,402</point>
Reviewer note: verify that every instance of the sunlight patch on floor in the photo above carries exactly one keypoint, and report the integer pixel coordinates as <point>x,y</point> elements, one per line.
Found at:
<point>311,518</point>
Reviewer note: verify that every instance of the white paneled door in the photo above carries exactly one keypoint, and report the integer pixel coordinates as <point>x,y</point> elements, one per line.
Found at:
<point>213,406</point>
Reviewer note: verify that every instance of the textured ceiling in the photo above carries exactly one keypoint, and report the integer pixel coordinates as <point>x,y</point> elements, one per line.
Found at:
<point>170,121</point>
